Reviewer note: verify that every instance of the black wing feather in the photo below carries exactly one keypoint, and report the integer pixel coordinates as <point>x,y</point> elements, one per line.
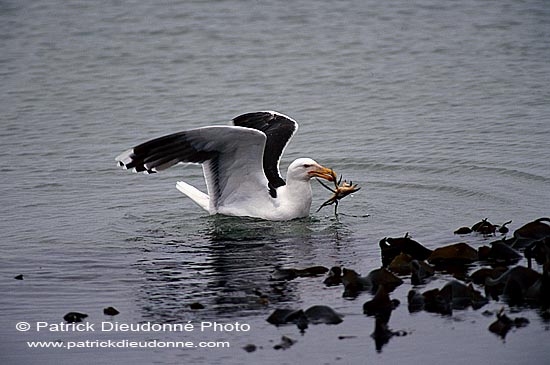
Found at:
<point>163,152</point>
<point>219,148</point>
<point>279,129</point>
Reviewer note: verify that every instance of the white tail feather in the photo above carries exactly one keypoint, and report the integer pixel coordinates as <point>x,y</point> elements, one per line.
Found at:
<point>198,197</point>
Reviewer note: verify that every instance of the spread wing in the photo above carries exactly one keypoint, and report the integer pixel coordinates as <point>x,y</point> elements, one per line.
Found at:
<point>279,129</point>
<point>231,157</point>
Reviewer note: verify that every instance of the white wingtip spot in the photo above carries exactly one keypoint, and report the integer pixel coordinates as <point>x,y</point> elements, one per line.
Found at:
<point>124,157</point>
<point>273,112</point>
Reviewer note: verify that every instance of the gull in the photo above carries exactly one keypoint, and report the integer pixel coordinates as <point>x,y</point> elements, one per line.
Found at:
<point>240,163</point>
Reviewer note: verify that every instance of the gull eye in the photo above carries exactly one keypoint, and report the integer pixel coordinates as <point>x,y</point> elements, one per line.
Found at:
<point>307,166</point>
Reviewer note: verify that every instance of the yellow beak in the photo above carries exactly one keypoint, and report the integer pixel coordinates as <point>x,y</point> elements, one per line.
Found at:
<point>323,173</point>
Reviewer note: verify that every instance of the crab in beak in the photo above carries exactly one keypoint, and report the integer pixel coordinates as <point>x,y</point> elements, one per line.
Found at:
<point>340,191</point>
<point>323,173</point>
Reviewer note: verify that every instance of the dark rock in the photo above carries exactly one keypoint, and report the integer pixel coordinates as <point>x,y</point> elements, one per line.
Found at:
<point>110,311</point>
<point>311,271</point>
<point>19,277</point>
<point>298,318</point>
<point>334,276</point>
<point>521,322</point>
<point>280,316</point>
<point>483,253</point>
<point>381,305</point>
<point>315,315</point>
<point>463,230</point>
<point>415,301</point>
<point>322,314</point>
<point>286,342</point>
<point>289,316</point>
<point>434,302</point>
<point>535,230</point>
<point>480,275</point>
<point>499,253</point>
<point>484,227</point>
<point>504,324</point>
<point>461,296</point>
<point>530,232</point>
<point>74,317</point>
<point>196,306</point>
<point>513,284</point>
<point>391,247</point>
<point>538,294</point>
<point>290,274</point>
<point>378,277</point>
<point>354,283</point>
<point>538,250</point>
<point>458,253</point>
<point>420,271</point>
<point>453,295</point>
<point>250,348</point>
<point>401,264</point>
<point>503,229</point>
<point>477,299</point>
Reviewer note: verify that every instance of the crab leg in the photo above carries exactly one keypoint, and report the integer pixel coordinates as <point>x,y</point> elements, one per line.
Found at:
<point>325,186</point>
